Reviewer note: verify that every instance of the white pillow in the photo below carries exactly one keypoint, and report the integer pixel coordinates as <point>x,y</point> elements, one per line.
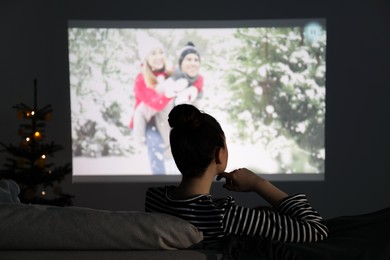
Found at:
<point>48,227</point>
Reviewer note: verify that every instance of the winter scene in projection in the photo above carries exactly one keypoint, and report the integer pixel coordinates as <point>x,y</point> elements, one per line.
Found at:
<point>266,87</point>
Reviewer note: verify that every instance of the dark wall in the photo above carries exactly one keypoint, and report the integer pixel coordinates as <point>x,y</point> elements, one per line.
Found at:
<point>33,44</point>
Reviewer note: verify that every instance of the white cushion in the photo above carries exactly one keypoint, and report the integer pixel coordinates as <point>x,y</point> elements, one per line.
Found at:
<point>48,227</point>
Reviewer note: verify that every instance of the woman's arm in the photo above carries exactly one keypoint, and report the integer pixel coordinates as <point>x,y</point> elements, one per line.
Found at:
<point>294,220</point>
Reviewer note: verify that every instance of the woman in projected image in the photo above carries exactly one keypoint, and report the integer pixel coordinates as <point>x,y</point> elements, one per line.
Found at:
<point>155,96</point>
<point>199,149</point>
<point>151,106</point>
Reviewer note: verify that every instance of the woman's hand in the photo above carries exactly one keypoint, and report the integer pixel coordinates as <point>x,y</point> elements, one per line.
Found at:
<point>240,179</point>
<point>244,180</point>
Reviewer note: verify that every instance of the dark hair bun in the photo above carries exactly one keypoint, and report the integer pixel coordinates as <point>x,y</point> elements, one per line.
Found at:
<point>185,116</point>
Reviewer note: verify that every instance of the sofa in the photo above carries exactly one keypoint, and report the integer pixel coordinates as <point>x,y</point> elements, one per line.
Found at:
<point>41,232</point>
<point>49,232</point>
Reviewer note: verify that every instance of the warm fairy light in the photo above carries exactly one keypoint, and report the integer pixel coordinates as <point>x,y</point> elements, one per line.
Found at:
<point>43,156</point>
<point>28,139</point>
<point>43,193</point>
<point>32,113</point>
<point>37,134</point>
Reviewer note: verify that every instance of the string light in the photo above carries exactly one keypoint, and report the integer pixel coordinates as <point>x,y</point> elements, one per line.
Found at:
<point>32,113</point>
<point>43,193</point>
<point>41,161</point>
<point>37,135</point>
<point>28,139</point>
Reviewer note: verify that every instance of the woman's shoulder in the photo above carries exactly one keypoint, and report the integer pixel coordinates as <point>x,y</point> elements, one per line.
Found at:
<point>161,191</point>
<point>223,201</point>
<point>158,189</point>
<point>155,191</point>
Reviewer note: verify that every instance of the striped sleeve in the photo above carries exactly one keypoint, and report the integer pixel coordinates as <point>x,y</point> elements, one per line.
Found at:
<point>294,220</point>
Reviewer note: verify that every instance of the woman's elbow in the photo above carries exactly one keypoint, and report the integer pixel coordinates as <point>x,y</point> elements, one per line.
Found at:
<point>321,232</point>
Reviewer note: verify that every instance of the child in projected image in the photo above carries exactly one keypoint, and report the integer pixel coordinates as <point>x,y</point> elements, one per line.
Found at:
<point>183,86</point>
<point>199,149</point>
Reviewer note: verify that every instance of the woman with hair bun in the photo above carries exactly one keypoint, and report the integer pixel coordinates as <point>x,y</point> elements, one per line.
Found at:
<point>200,152</point>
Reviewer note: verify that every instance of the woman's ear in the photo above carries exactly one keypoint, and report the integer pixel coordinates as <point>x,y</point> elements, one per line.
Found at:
<point>217,156</point>
<point>221,158</point>
<point>221,155</point>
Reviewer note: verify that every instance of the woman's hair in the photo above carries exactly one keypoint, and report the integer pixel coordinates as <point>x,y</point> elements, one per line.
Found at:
<point>195,138</point>
<point>149,77</point>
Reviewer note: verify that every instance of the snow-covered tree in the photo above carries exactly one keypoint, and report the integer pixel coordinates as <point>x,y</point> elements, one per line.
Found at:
<point>278,83</point>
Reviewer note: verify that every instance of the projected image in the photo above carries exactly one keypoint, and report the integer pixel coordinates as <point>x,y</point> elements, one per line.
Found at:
<point>264,81</point>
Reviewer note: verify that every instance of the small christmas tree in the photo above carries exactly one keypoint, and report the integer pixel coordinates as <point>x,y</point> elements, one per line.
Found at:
<point>39,180</point>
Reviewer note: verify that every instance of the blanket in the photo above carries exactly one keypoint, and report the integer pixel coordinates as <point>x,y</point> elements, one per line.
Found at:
<point>361,237</point>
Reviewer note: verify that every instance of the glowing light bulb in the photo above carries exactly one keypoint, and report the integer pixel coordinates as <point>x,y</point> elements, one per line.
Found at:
<point>28,139</point>
<point>43,156</point>
<point>43,193</point>
<point>32,112</point>
<point>37,134</point>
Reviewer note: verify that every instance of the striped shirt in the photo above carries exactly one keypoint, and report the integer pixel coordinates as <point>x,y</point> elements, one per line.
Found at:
<point>294,220</point>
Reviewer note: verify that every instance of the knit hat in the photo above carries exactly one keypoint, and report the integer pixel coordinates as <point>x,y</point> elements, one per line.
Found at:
<point>146,44</point>
<point>189,48</point>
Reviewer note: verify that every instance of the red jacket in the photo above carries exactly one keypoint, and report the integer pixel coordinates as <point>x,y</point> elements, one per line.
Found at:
<point>151,97</point>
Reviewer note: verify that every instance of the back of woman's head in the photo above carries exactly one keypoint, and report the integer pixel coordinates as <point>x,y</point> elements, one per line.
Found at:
<point>195,137</point>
